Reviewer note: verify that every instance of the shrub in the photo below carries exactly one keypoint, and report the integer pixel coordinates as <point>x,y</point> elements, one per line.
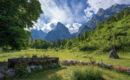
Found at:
<point>87,74</point>
<point>87,48</point>
<point>21,69</point>
<point>34,56</point>
<point>92,60</point>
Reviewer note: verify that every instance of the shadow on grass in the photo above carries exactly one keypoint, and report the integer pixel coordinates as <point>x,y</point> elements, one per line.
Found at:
<point>41,75</point>
<point>122,58</point>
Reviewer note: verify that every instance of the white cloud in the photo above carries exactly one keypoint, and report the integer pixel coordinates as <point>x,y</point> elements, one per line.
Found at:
<point>63,13</point>
<point>73,16</point>
<point>95,5</point>
<point>74,27</point>
<point>55,13</point>
<point>48,27</point>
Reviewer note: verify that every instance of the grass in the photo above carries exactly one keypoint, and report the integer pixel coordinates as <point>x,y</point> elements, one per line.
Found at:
<point>67,73</point>
<point>70,54</point>
<point>87,74</point>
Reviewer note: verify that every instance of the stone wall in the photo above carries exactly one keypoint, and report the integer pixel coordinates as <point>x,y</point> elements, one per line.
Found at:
<point>7,69</point>
<point>121,69</point>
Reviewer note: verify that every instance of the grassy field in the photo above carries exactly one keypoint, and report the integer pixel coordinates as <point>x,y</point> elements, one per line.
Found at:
<point>70,54</point>
<point>66,74</point>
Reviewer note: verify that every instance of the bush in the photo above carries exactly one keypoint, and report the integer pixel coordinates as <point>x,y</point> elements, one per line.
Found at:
<point>87,48</point>
<point>21,69</point>
<point>87,74</point>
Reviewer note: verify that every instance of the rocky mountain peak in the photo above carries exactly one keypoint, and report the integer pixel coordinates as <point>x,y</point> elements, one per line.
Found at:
<point>59,33</point>
<point>100,12</point>
<point>102,15</point>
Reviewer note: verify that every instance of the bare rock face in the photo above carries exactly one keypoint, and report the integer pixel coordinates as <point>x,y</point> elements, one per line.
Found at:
<point>113,54</point>
<point>100,16</point>
<point>60,32</point>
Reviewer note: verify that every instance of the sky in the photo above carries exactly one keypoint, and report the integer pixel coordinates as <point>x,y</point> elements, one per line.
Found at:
<point>72,13</point>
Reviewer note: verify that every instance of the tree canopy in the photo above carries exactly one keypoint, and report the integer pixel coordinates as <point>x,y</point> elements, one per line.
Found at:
<point>15,16</point>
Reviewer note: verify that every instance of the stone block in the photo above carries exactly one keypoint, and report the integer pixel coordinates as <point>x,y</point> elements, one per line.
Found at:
<point>10,73</point>
<point>128,70</point>
<point>85,62</point>
<point>1,76</point>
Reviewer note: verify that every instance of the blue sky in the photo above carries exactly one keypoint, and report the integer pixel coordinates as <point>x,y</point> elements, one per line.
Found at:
<point>72,13</point>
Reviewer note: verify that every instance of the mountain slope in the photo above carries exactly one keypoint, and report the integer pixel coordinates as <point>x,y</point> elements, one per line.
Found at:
<point>37,34</point>
<point>59,33</point>
<point>102,15</point>
<point>82,29</point>
<point>111,33</point>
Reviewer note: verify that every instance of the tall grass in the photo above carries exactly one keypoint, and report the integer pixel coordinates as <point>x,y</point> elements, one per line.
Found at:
<point>87,74</point>
<point>56,77</point>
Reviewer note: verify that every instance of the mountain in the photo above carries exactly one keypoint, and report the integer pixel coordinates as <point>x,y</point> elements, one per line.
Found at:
<point>59,33</point>
<point>102,15</point>
<point>82,29</point>
<point>114,32</point>
<point>37,34</point>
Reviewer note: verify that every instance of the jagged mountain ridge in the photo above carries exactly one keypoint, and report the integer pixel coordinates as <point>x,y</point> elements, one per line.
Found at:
<point>100,16</point>
<point>59,33</point>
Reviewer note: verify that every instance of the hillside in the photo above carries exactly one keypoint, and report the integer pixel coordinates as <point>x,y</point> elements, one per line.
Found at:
<point>111,33</point>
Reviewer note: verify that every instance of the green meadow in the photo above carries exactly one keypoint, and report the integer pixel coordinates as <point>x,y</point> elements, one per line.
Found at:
<point>75,54</point>
<point>66,73</point>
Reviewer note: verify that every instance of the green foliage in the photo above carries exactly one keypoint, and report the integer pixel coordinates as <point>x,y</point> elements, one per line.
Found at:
<point>15,16</point>
<point>87,74</point>
<point>87,48</point>
<point>113,32</point>
<point>34,56</point>
<point>60,43</point>
<point>40,44</point>
<point>68,44</point>
<point>56,77</point>
<point>21,69</point>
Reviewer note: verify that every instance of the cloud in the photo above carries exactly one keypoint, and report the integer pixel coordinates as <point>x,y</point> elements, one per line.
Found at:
<point>71,13</point>
<point>95,5</point>
<point>64,11</point>
<point>74,27</point>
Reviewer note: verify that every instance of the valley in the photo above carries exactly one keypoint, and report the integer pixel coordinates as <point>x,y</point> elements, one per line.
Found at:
<point>64,40</point>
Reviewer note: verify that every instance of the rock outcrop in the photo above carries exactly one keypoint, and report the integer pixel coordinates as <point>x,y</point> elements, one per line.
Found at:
<point>113,54</point>
<point>59,33</point>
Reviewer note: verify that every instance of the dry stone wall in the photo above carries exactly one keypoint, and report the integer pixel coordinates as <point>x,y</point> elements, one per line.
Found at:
<point>121,69</point>
<point>7,69</point>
